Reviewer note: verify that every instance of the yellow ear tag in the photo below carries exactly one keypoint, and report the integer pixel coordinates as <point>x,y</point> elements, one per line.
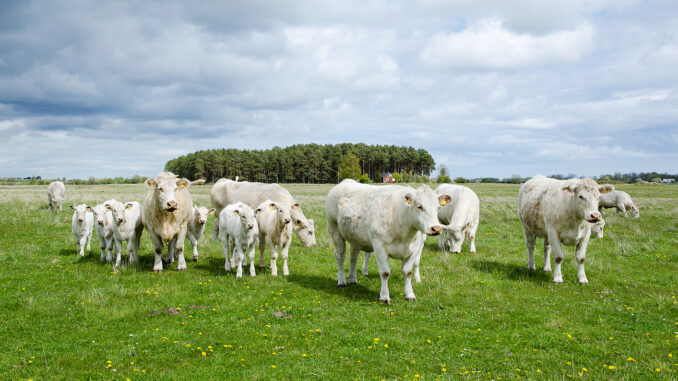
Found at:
<point>257,211</point>
<point>409,201</point>
<point>236,213</point>
<point>272,208</point>
<point>443,202</point>
<point>211,212</point>
<point>108,207</point>
<point>128,207</point>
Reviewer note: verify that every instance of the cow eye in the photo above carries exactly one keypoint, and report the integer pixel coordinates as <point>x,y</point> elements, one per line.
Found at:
<point>420,207</point>
<point>581,197</point>
<point>161,189</point>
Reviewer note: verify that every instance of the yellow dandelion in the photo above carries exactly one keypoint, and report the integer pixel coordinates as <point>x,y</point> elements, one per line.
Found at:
<point>273,366</point>
<point>584,369</point>
<point>630,359</point>
<point>204,354</point>
<point>611,367</point>
<point>303,355</point>
<point>658,370</point>
<point>385,345</point>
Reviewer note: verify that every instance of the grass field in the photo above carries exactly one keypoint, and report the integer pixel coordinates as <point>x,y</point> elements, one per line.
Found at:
<point>478,316</point>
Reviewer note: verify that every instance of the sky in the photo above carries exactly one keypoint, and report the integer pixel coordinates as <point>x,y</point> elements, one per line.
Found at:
<point>489,88</point>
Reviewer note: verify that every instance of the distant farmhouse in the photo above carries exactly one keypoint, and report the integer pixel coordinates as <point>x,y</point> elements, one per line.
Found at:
<point>387,178</point>
<point>668,181</point>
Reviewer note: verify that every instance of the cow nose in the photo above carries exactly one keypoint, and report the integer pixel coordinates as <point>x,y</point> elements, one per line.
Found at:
<point>202,221</point>
<point>81,219</point>
<point>100,222</point>
<point>120,219</point>
<point>250,226</point>
<point>171,204</point>
<point>287,220</point>
<point>436,229</point>
<point>595,217</point>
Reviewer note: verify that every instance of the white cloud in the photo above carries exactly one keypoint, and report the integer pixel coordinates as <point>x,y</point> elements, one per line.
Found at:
<point>488,45</point>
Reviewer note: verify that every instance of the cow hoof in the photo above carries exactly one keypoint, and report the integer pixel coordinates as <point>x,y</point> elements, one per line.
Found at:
<point>352,282</point>
<point>195,259</point>
<point>184,269</point>
<point>547,269</point>
<point>341,285</point>
<point>386,301</point>
<point>412,299</point>
<point>557,282</point>
<point>584,281</point>
<point>157,271</point>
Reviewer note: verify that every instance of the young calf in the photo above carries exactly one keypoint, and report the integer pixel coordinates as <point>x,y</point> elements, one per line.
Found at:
<point>127,226</point>
<point>238,232</point>
<point>619,200</point>
<point>104,227</point>
<point>82,225</point>
<point>276,231</point>
<point>196,226</point>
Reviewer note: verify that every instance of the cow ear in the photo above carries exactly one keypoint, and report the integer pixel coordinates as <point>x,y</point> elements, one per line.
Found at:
<point>150,184</point>
<point>182,183</point>
<point>89,208</point>
<point>408,199</point>
<point>295,205</point>
<point>257,211</point>
<point>273,206</point>
<point>108,207</point>
<point>236,212</point>
<point>607,188</point>
<point>211,211</point>
<point>444,199</point>
<point>569,188</point>
<point>72,206</point>
<point>128,206</point>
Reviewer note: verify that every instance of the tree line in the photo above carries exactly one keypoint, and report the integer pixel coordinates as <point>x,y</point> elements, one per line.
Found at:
<point>301,163</point>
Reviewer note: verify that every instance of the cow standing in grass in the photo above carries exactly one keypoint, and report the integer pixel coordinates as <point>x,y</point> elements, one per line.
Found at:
<point>276,232</point>
<point>238,233</point>
<point>619,200</point>
<point>196,227</point>
<point>460,216</point>
<point>561,212</point>
<point>227,191</point>
<point>127,226</point>
<point>82,225</point>
<point>103,225</point>
<point>55,195</point>
<point>167,210</point>
<point>391,221</point>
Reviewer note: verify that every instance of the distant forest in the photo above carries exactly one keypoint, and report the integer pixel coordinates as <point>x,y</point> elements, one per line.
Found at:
<point>301,163</point>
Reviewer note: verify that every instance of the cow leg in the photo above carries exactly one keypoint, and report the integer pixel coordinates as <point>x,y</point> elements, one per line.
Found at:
<point>366,258</point>
<point>194,244</point>
<point>81,246</point>
<point>284,253</point>
<point>547,255</point>
<point>157,248</point>
<point>109,249</point>
<point>408,265</point>
<point>118,252</point>
<point>580,256</point>
<point>274,258</point>
<point>215,231</point>
<point>102,241</point>
<point>530,242</point>
<point>262,251</point>
<point>441,240</point>
<point>472,237</point>
<point>340,256</point>
<point>239,256</point>
<point>231,251</point>
<point>89,238</point>
<point>137,243</point>
<point>179,248</point>
<point>252,253</point>
<point>558,256</point>
<point>354,254</point>
<point>621,209</point>
<point>169,257</point>
<point>225,242</point>
<point>384,271</point>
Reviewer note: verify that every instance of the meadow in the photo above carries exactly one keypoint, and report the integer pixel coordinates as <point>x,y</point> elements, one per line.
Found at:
<point>478,316</point>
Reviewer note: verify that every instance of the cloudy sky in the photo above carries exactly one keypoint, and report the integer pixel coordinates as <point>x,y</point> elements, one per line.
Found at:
<point>489,88</point>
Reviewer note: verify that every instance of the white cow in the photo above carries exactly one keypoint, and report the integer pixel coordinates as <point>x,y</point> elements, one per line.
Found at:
<point>82,225</point>
<point>196,226</point>
<point>598,228</point>
<point>127,226</point>
<point>460,217</point>
<point>390,220</point>
<point>167,210</point>
<point>276,231</point>
<point>227,191</point>
<point>619,200</point>
<point>560,211</point>
<point>238,231</point>
<point>55,195</point>
<point>103,225</point>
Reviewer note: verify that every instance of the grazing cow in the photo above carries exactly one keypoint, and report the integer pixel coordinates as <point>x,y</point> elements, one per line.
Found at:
<point>460,217</point>
<point>55,195</point>
<point>127,226</point>
<point>196,226</point>
<point>103,225</point>
<point>560,211</point>
<point>238,233</point>
<point>227,191</point>
<point>82,225</point>
<point>166,212</point>
<point>390,220</point>
<point>619,200</point>
<point>276,231</point>
<point>598,228</point>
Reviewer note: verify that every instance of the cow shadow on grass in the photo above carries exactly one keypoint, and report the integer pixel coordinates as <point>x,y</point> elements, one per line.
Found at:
<point>512,271</point>
<point>329,286</point>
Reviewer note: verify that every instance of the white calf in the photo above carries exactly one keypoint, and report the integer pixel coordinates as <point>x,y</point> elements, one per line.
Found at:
<point>276,231</point>
<point>127,226</point>
<point>82,225</point>
<point>238,229</point>
<point>104,227</point>
<point>196,226</point>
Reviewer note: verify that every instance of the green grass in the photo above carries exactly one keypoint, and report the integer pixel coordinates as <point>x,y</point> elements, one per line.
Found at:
<point>478,316</point>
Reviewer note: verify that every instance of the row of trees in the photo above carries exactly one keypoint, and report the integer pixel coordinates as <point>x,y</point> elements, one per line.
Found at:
<point>301,163</point>
<point>136,179</point>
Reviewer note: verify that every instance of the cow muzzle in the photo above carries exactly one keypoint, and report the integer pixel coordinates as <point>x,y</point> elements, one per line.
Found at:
<point>594,217</point>
<point>250,226</point>
<point>435,230</point>
<point>286,220</point>
<point>100,222</point>
<point>171,206</point>
<point>202,222</point>
<point>81,219</point>
<point>121,219</point>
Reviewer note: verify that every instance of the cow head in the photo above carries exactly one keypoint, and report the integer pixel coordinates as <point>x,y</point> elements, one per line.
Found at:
<point>200,214</point>
<point>246,216</point>
<point>635,212</point>
<point>165,185</point>
<point>58,200</point>
<point>81,211</point>
<point>268,208</point>
<point>117,209</point>
<point>303,227</point>
<point>584,195</point>
<point>454,238</point>
<point>597,228</point>
<point>422,206</point>
<point>100,214</point>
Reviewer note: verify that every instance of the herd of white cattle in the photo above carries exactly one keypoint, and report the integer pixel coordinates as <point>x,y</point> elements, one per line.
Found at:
<point>391,221</point>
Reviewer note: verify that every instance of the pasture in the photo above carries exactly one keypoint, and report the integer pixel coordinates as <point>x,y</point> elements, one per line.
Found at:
<point>478,316</point>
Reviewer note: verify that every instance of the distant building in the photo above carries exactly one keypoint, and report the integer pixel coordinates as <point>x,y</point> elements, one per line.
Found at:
<point>668,181</point>
<point>387,178</point>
